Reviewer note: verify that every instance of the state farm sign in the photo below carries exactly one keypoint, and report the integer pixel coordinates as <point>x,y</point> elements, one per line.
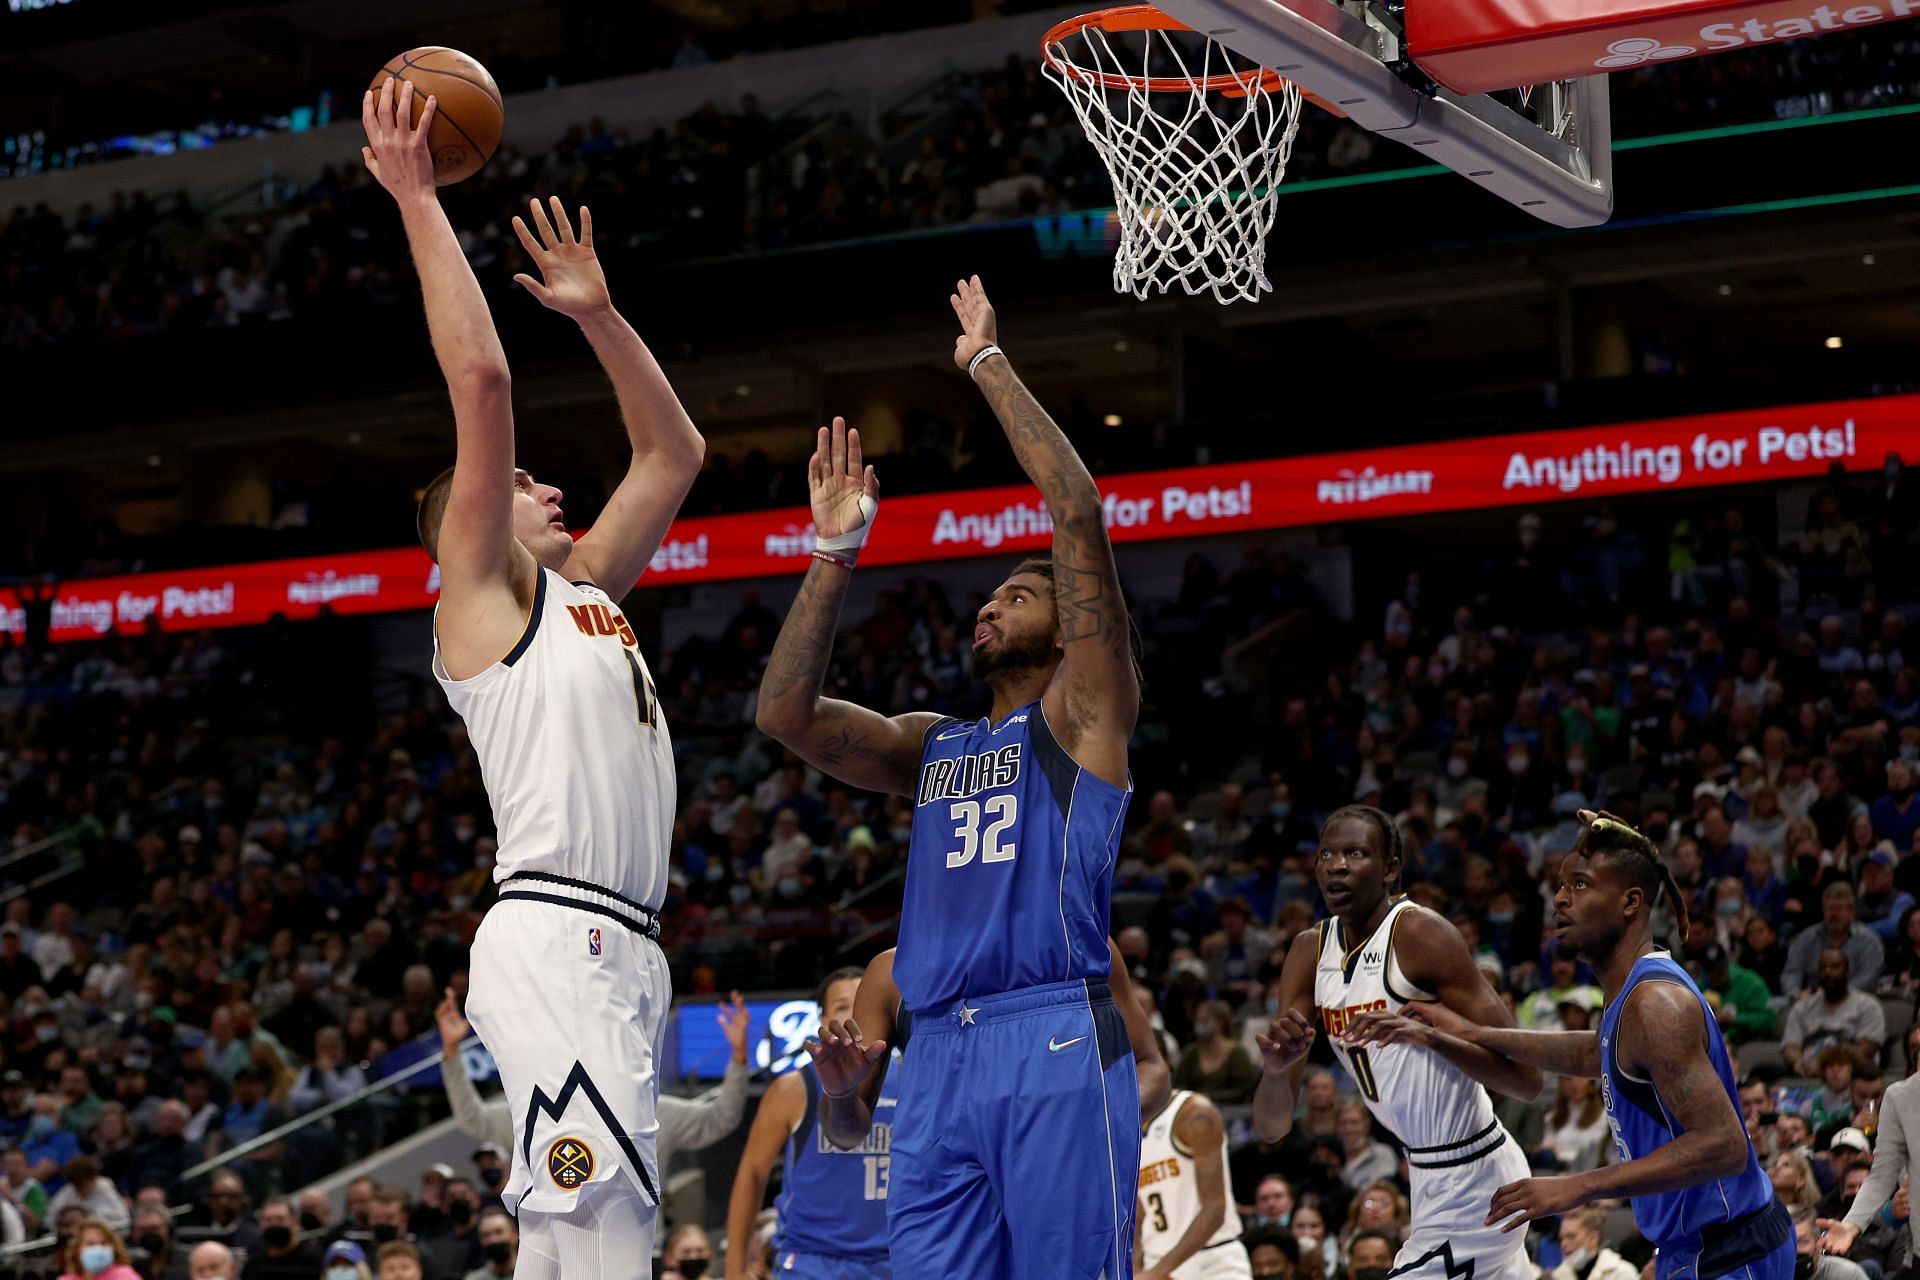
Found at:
<point>1473,46</point>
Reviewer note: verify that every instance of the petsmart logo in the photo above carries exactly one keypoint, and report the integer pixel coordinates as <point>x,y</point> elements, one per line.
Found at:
<point>1368,485</point>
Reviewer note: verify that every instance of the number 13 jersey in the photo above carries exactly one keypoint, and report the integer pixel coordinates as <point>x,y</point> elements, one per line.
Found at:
<point>572,746</point>
<point>1010,874</point>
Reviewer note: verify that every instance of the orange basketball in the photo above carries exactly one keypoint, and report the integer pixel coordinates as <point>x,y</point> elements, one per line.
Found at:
<point>466,126</point>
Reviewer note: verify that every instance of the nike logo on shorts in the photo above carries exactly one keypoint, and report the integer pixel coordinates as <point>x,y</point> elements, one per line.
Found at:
<point>1057,1045</point>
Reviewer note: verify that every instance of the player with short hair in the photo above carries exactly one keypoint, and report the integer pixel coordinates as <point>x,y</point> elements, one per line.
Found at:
<point>1016,1149</point>
<point>569,989</point>
<point>1189,1227</point>
<point>1378,954</point>
<point>1686,1164</point>
<point>833,1201</point>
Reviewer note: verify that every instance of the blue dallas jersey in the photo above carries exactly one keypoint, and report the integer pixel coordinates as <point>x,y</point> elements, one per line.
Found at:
<point>1674,1220</point>
<point>1010,873</point>
<point>834,1202</point>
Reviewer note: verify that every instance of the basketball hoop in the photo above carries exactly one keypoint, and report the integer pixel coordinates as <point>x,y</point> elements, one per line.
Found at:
<point>1196,139</point>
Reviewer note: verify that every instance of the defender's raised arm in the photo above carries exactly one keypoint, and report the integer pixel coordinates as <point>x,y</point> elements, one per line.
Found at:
<point>1094,700</point>
<point>854,744</point>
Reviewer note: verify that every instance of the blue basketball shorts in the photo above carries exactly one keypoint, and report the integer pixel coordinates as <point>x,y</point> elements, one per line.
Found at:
<point>1016,1147</point>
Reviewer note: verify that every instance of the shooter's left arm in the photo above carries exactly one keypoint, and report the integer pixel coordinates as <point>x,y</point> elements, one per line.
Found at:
<point>1094,701</point>
<point>667,447</point>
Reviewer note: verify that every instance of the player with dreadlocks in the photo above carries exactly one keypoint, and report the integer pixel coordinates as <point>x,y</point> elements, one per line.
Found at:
<point>1665,1075</point>
<point>1376,954</point>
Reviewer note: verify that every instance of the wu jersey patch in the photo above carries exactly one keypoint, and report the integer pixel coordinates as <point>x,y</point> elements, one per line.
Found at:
<point>569,1163</point>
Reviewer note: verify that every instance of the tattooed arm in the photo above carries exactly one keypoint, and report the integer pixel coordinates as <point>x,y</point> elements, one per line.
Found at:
<point>1663,1040</point>
<point>1095,697</point>
<point>854,744</point>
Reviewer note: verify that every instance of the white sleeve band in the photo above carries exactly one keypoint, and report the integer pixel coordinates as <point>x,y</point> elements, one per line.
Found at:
<point>853,539</point>
<point>973,365</point>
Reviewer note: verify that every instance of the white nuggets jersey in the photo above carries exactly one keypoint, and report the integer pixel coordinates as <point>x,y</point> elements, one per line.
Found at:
<point>1458,1154</point>
<point>572,746</point>
<point>1170,1199</point>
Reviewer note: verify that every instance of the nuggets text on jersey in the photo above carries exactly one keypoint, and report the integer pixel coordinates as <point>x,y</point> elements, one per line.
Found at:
<point>1159,1171</point>
<point>603,620</point>
<point>1338,1020</point>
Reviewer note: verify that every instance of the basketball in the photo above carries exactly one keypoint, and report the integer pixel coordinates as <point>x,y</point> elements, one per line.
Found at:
<point>467,127</point>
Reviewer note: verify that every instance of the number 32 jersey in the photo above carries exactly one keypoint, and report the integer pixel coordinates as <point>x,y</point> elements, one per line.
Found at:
<point>1010,871</point>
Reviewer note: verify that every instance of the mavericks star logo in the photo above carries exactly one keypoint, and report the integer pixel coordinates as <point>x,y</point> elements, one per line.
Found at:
<point>570,1163</point>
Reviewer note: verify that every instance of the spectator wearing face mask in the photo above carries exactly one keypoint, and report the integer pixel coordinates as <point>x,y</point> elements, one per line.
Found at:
<point>1581,1255</point>
<point>96,1253</point>
<point>1370,1256</point>
<point>454,1248</point>
<point>153,1237</point>
<point>499,1238</point>
<point>1215,1063</point>
<point>345,1260</point>
<point>48,1147</point>
<point>285,1256</point>
<point>688,1254</point>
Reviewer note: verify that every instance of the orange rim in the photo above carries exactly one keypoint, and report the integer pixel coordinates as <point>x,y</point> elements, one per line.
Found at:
<point>1145,17</point>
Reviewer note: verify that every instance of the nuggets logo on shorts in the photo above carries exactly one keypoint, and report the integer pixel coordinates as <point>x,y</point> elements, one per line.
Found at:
<point>593,942</point>
<point>569,1163</point>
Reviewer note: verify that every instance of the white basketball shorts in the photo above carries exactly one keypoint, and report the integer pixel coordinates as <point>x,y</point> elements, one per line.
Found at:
<point>570,999</point>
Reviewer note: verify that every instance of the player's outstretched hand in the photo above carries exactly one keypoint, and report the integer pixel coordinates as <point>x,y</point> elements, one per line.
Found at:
<point>837,478</point>
<point>1518,1203</point>
<point>841,1058</point>
<point>397,153</point>
<point>1377,1026</point>
<point>1287,1040</point>
<point>1440,1018</point>
<point>454,1027</point>
<point>1838,1236</point>
<point>733,1019</point>
<point>978,327</point>
<point>571,281</point>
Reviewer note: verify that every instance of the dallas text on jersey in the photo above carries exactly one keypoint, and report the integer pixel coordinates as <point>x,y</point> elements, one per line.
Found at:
<point>969,775</point>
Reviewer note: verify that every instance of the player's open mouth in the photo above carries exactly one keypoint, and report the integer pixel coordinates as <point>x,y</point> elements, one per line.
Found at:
<point>982,634</point>
<point>1561,924</point>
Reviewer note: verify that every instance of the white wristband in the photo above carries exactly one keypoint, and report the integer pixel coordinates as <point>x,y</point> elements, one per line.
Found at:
<point>989,350</point>
<point>853,539</point>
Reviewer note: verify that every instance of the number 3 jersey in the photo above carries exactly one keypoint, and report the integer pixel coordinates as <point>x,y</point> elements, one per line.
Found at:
<point>1010,873</point>
<point>572,746</point>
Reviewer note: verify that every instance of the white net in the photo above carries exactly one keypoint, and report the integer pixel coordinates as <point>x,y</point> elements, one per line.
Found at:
<point>1196,141</point>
